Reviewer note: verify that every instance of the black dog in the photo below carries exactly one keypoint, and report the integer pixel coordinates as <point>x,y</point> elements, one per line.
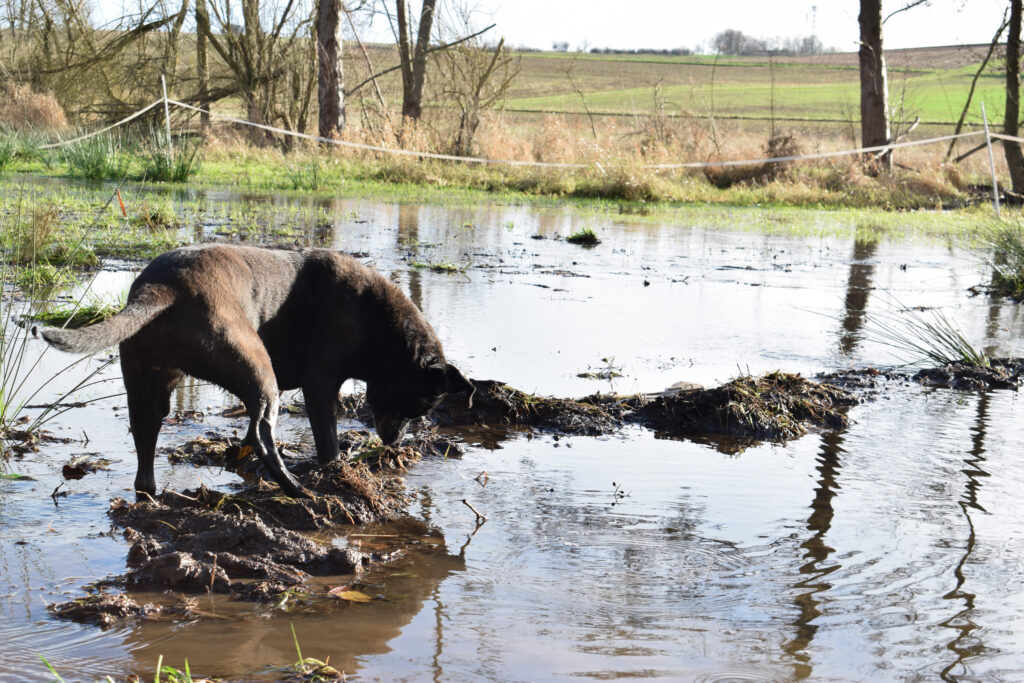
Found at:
<point>259,321</point>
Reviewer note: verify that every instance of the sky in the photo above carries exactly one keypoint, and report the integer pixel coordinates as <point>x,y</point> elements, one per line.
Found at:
<point>666,24</point>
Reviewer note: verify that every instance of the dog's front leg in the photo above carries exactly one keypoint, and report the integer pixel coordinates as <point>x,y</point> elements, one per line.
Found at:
<point>321,407</point>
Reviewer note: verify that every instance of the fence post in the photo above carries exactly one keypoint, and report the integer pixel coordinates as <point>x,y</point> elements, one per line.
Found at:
<point>991,162</point>
<point>167,119</point>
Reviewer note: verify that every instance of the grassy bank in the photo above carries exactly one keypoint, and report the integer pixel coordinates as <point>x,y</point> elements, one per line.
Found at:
<point>839,184</point>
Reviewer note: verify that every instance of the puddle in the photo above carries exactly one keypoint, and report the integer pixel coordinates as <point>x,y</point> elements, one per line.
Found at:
<point>887,548</point>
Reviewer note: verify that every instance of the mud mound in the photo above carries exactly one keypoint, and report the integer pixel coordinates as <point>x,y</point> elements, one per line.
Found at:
<point>776,407</point>
<point>1003,374</point>
<point>251,544</point>
<point>496,403</point>
<point>207,540</point>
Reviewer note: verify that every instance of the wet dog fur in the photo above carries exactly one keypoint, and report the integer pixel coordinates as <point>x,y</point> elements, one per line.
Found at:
<point>259,321</point>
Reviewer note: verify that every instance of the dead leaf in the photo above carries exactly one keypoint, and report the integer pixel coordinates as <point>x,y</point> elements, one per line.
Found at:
<point>344,593</point>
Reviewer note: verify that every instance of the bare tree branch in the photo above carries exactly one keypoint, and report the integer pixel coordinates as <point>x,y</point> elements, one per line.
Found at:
<point>436,48</point>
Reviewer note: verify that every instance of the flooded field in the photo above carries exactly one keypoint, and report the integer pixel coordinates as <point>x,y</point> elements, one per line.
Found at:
<point>889,550</point>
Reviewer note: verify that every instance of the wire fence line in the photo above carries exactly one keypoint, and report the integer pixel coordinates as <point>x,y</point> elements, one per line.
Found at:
<point>164,101</point>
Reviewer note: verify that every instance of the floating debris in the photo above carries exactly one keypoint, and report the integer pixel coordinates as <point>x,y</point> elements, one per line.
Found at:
<point>81,465</point>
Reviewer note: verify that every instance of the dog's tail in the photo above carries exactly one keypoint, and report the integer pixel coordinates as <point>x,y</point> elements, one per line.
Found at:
<point>144,305</point>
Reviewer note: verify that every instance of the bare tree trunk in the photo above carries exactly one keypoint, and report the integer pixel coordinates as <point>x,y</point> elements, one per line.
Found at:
<point>414,62</point>
<point>1011,120</point>
<point>874,90</point>
<point>330,91</point>
<point>202,66</point>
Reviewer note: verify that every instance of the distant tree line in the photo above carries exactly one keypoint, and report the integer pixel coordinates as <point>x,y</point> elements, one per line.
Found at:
<point>641,51</point>
<point>733,42</point>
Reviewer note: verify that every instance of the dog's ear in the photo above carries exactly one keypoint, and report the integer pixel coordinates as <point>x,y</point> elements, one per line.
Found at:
<point>455,382</point>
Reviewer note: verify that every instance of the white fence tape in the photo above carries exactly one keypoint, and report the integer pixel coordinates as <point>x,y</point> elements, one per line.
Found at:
<point>540,164</point>
<point>123,121</point>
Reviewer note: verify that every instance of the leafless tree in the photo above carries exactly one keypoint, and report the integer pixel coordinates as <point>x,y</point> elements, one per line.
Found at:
<point>413,58</point>
<point>269,61</point>
<point>1011,119</point>
<point>874,89</point>
<point>56,46</point>
<point>330,79</point>
<point>473,77</point>
<point>202,64</point>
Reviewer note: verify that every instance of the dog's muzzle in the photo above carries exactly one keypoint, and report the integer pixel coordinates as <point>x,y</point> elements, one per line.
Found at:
<point>390,430</point>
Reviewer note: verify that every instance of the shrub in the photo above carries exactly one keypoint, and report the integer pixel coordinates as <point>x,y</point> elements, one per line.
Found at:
<point>20,108</point>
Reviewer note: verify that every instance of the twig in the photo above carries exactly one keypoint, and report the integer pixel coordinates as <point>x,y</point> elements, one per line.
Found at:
<point>480,519</point>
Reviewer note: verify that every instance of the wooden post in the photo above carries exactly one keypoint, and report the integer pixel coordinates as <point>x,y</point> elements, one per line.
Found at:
<point>991,162</point>
<point>167,118</point>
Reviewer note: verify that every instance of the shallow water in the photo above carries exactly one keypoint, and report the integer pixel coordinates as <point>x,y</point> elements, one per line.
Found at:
<point>891,550</point>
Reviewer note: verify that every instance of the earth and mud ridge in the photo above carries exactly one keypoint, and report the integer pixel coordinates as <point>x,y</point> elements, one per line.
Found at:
<point>256,544</point>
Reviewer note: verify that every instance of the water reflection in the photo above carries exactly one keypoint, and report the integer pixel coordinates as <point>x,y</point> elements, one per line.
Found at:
<point>409,238</point>
<point>858,289</point>
<point>817,553</point>
<point>346,633</point>
<point>966,645</point>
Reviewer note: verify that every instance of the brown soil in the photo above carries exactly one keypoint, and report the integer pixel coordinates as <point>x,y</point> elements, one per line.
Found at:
<point>252,544</point>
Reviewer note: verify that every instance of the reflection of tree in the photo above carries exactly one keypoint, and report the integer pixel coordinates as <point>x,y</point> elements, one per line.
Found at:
<point>858,287</point>
<point>965,645</point>
<point>409,236</point>
<point>816,552</point>
<point>995,307</point>
<point>187,395</point>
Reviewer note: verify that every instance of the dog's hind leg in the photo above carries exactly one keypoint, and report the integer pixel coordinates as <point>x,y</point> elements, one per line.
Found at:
<point>321,401</point>
<point>239,362</point>
<point>149,402</point>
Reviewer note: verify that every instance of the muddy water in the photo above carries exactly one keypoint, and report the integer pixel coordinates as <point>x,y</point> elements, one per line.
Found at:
<point>891,550</point>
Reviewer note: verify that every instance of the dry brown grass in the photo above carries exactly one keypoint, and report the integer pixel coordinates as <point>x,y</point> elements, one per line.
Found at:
<point>22,109</point>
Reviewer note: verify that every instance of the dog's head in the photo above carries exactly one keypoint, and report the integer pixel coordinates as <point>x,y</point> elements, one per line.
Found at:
<point>396,402</point>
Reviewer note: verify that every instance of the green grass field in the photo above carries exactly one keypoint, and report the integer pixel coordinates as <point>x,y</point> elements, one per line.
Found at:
<point>813,90</point>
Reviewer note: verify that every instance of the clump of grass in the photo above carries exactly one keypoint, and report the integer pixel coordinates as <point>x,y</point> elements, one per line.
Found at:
<point>309,176</point>
<point>918,339</point>
<point>80,314</point>
<point>1002,250</point>
<point>155,214</point>
<point>441,267</point>
<point>608,371</point>
<point>40,277</point>
<point>8,150</point>
<point>585,237</point>
<point>29,239</point>
<point>102,157</point>
<point>164,163</point>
